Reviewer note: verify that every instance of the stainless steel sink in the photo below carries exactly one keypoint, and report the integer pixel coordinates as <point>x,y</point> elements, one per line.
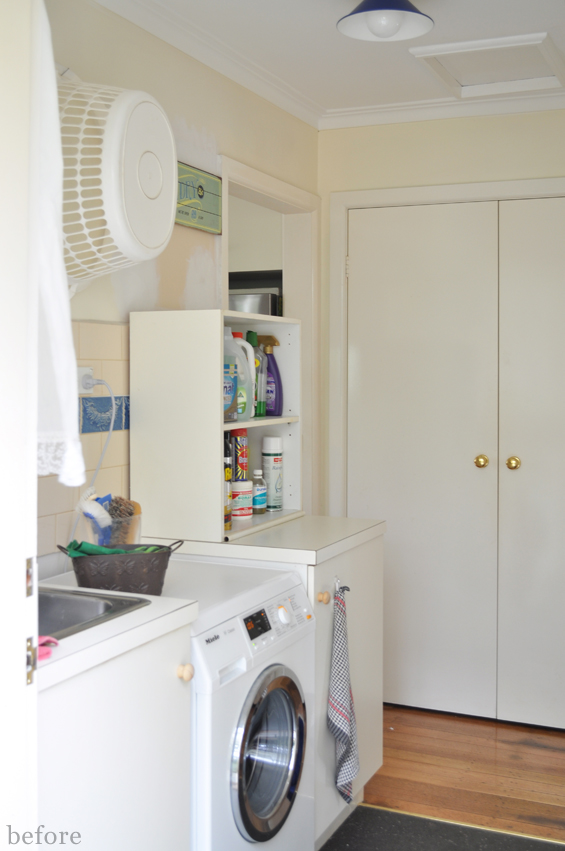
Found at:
<point>62,612</point>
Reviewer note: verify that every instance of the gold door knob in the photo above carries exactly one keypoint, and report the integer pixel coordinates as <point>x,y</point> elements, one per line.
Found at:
<point>481,461</point>
<point>324,597</point>
<point>513,462</point>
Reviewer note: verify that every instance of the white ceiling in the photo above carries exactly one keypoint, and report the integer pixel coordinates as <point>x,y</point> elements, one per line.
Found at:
<point>290,52</point>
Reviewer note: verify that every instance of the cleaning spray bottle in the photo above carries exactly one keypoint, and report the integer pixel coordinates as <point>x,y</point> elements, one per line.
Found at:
<point>246,377</point>
<point>274,383</point>
<point>260,375</point>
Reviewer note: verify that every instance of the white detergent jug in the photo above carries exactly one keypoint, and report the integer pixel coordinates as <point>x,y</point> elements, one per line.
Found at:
<point>245,359</point>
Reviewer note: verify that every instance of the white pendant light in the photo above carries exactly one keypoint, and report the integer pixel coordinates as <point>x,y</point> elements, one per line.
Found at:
<point>388,20</point>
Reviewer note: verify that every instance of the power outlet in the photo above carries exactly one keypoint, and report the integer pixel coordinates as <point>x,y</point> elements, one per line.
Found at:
<point>81,371</point>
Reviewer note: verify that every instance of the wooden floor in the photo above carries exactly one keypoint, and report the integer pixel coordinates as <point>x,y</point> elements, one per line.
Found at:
<point>473,771</point>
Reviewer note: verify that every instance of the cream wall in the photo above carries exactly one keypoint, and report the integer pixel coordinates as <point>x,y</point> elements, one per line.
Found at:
<point>462,150</point>
<point>255,237</point>
<point>210,115</point>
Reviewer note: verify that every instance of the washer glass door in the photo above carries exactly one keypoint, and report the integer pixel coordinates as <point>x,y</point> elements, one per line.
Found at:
<point>268,754</point>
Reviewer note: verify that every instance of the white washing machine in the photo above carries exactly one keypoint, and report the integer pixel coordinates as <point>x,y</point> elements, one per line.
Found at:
<point>252,754</point>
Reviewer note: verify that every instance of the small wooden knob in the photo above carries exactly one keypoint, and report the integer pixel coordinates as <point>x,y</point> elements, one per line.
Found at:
<point>185,672</point>
<point>324,597</point>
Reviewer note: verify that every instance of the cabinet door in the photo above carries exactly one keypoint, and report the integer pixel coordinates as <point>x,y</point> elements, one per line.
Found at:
<point>114,750</point>
<point>422,404</point>
<point>361,570</point>
<point>532,427</point>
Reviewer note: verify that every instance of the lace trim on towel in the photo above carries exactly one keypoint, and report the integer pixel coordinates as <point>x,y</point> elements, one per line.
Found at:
<point>63,457</point>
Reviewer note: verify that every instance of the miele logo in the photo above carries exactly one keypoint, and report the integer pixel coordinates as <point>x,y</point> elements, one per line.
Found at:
<point>212,639</point>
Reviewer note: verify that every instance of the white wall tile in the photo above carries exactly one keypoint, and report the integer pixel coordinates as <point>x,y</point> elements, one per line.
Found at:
<point>117,454</point>
<point>109,480</point>
<point>116,373</point>
<point>64,527</point>
<point>53,498</point>
<point>91,449</point>
<point>46,535</point>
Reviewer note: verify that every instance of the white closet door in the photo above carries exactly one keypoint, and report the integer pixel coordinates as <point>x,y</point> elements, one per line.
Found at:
<point>422,356</point>
<point>532,427</point>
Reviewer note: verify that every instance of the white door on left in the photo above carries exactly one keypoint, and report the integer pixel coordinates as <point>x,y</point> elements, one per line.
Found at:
<point>422,405</point>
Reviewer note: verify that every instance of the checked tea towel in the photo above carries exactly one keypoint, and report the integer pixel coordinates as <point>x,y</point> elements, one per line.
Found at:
<point>341,712</point>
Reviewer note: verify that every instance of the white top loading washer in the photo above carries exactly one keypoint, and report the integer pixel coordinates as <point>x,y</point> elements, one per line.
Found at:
<point>252,756</point>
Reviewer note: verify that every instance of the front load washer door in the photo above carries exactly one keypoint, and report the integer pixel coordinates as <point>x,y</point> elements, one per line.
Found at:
<point>268,754</point>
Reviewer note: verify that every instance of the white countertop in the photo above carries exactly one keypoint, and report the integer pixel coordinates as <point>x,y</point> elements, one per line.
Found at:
<point>97,644</point>
<point>306,540</point>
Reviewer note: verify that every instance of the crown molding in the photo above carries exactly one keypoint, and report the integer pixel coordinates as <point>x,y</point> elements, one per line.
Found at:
<point>431,110</point>
<point>216,55</point>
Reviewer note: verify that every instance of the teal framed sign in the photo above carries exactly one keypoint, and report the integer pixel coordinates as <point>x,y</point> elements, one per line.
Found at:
<point>199,199</point>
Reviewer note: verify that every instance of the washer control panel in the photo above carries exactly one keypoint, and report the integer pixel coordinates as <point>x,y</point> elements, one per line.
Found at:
<point>278,618</point>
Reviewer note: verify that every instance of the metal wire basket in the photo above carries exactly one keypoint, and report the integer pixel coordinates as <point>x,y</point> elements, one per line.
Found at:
<point>141,573</point>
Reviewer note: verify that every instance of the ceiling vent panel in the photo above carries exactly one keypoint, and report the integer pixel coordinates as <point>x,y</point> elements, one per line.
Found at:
<point>501,66</point>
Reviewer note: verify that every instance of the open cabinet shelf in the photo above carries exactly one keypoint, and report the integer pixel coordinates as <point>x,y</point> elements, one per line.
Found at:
<point>177,427</point>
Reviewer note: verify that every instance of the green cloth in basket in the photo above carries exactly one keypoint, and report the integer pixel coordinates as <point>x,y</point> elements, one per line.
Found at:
<point>85,549</point>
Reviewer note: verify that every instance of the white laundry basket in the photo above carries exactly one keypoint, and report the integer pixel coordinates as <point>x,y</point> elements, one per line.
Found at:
<point>120,178</point>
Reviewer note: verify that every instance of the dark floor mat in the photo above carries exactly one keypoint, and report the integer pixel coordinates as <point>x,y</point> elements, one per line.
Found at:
<point>371,829</point>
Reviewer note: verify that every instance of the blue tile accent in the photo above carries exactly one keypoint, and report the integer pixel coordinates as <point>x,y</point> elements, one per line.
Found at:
<point>95,413</point>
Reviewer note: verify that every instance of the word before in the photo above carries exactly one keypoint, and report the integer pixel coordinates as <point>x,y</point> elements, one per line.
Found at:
<point>38,837</point>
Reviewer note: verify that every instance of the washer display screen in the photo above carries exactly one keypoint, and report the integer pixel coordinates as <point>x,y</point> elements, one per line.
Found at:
<point>257,624</point>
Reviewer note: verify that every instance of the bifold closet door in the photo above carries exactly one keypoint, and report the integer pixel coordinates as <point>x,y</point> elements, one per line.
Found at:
<point>531,662</point>
<point>422,379</point>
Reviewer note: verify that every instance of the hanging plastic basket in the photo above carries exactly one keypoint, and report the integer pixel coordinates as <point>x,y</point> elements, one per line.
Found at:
<point>120,178</point>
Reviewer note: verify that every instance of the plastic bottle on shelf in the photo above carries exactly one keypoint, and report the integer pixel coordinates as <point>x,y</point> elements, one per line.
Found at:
<point>272,456</point>
<point>246,386</point>
<point>259,492</point>
<point>242,507</point>
<point>274,383</point>
<point>260,375</point>
<point>230,380</point>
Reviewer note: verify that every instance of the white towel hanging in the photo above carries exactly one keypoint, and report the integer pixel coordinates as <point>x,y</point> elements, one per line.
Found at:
<point>59,449</point>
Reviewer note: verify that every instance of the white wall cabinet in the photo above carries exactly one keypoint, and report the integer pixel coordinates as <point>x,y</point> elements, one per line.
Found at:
<point>177,422</point>
<point>114,750</point>
<point>474,583</point>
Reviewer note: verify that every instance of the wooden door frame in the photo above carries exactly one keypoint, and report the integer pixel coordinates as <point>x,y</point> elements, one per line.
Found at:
<point>340,205</point>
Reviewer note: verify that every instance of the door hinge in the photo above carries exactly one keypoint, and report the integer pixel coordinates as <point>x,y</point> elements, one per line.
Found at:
<point>31,660</point>
<point>30,563</point>
<point>347,267</point>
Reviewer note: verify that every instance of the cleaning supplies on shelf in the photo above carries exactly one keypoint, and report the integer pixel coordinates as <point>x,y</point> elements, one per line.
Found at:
<point>240,452</point>
<point>245,361</point>
<point>242,502</point>
<point>227,484</point>
<point>260,375</point>
<point>259,492</point>
<point>274,383</point>
<point>231,354</point>
<point>273,471</point>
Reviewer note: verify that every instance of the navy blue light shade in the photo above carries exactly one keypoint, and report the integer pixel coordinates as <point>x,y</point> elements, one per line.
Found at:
<point>414,23</point>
